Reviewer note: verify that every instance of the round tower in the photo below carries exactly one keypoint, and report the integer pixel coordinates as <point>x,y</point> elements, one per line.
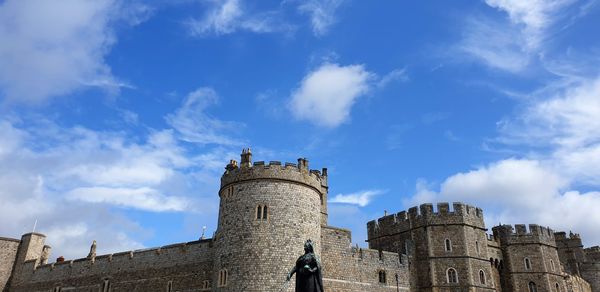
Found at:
<point>266,213</point>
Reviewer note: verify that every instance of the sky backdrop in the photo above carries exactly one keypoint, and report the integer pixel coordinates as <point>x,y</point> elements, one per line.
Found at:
<point>117,118</point>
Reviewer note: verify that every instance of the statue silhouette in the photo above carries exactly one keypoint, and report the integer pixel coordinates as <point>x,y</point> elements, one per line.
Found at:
<point>308,271</point>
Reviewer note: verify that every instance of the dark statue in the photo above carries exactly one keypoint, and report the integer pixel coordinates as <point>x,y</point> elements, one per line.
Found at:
<point>308,271</point>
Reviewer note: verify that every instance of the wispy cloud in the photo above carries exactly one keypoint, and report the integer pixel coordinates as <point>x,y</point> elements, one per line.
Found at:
<point>361,198</point>
<point>511,44</point>
<point>322,14</point>
<point>59,46</point>
<point>193,124</point>
<point>143,198</point>
<point>229,16</point>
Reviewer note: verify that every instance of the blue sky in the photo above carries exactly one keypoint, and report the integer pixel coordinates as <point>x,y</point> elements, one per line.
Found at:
<point>117,117</point>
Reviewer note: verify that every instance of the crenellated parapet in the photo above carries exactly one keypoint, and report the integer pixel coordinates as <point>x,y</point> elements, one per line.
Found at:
<point>274,170</point>
<point>426,215</point>
<point>122,262</point>
<point>523,234</point>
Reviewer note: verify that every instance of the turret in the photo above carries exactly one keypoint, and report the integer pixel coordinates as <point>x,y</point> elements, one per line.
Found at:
<point>31,253</point>
<point>268,210</point>
<point>530,257</point>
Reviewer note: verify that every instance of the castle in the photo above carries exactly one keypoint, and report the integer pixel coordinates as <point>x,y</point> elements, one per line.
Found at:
<point>267,211</point>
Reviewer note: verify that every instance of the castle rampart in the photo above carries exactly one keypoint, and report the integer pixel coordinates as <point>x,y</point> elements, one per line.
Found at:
<point>345,266</point>
<point>520,234</point>
<point>425,215</point>
<point>116,268</point>
<point>8,253</point>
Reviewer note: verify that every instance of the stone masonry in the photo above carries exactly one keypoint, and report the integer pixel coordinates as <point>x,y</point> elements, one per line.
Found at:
<point>268,210</point>
<point>449,250</point>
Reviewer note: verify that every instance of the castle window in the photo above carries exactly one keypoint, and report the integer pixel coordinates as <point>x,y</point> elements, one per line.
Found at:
<point>532,287</point>
<point>262,212</point>
<point>223,278</point>
<point>481,277</point>
<point>206,284</point>
<point>382,278</point>
<point>106,286</point>
<point>59,289</point>
<point>528,264</point>
<point>451,276</point>
<point>477,247</point>
<point>557,287</point>
<point>448,244</point>
<point>170,286</point>
<point>552,265</point>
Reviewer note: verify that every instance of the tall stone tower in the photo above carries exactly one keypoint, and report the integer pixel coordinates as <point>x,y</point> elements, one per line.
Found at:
<point>447,249</point>
<point>266,213</point>
<point>530,257</point>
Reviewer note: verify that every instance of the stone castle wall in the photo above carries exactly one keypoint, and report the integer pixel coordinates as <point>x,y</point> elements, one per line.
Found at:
<point>423,233</point>
<point>347,268</point>
<point>8,253</point>
<point>185,265</point>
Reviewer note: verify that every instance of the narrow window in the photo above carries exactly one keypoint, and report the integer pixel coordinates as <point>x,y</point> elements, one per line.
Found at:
<point>170,286</point>
<point>59,289</point>
<point>382,278</point>
<point>552,265</point>
<point>264,217</point>
<point>481,277</point>
<point>451,275</point>
<point>222,278</point>
<point>477,247</point>
<point>258,212</point>
<point>557,287</point>
<point>448,245</point>
<point>206,284</point>
<point>106,286</point>
<point>532,287</point>
<point>528,265</point>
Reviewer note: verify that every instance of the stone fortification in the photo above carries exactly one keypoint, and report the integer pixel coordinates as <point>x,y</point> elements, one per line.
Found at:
<point>422,216</point>
<point>185,265</point>
<point>266,214</point>
<point>346,267</point>
<point>530,256</point>
<point>8,253</point>
<point>438,241</point>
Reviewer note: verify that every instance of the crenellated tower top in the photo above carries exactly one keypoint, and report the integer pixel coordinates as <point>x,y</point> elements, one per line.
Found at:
<point>519,234</point>
<point>274,170</point>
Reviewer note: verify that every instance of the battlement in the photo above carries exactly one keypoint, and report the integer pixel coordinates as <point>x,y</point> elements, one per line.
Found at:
<point>426,215</point>
<point>523,234</point>
<point>169,255</point>
<point>299,173</point>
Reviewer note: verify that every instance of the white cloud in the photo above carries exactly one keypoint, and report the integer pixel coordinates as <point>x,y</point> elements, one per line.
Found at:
<point>52,48</point>
<point>229,16</point>
<point>565,127</point>
<point>76,179</point>
<point>326,95</point>
<point>515,191</point>
<point>322,14</point>
<point>361,198</point>
<point>141,198</point>
<point>193,124</point>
